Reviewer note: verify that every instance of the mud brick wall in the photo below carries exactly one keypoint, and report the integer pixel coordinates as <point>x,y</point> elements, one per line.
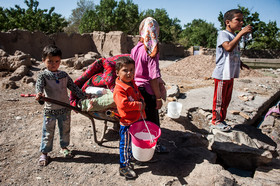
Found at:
<point>106,44</point>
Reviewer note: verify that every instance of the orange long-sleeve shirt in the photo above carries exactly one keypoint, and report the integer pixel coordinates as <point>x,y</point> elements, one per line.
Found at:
<point>129,102</point>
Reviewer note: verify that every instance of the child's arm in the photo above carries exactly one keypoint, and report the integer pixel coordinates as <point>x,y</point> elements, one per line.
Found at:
<point>75,89</point>
<point>230,45</point>
<point>40,84</point>
<point>125,104</point>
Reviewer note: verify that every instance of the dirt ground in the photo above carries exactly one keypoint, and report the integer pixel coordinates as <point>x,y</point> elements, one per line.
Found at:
<point>21,129</point>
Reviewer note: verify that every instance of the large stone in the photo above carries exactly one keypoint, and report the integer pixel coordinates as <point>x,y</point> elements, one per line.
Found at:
<point>11,63</point>
<point>245,147</point>
<point>19,73</point>
<point>9,84</point>
<point>3,53</point>
<point>206,173</point>
<point>173,91</point>
<point>269,173</point>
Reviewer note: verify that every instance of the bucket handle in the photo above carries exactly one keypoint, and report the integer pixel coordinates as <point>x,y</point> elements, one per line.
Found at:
<point>151,140</point>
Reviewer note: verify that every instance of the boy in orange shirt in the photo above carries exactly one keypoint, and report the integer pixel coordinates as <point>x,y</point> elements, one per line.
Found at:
<point>131,108</point>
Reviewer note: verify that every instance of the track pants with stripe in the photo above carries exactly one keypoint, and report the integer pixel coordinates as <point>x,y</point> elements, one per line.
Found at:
<point>125,146</point>
<point>221,100</point>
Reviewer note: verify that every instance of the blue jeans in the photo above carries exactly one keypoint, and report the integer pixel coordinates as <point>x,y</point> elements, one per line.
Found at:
<point>49,129</point>
<point>125,146</point>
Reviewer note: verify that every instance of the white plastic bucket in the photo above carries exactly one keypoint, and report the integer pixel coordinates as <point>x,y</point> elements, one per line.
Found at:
<point>143,142</point>
<point>174,109</point>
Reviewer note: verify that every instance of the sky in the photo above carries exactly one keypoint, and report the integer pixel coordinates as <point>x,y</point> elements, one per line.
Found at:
<point>184,10</point>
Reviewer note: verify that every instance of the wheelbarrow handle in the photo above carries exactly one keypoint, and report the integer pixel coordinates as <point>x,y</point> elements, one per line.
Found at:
<point>61,104</point>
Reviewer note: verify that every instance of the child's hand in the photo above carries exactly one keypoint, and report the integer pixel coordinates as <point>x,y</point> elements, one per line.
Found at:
<point>247,29</point>
<point>38,96</point>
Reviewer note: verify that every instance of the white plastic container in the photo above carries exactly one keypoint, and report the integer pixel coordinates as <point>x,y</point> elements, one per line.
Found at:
<point>174,109</point>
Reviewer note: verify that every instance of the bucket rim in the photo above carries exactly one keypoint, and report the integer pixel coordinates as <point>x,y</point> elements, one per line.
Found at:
<point>148,123</point>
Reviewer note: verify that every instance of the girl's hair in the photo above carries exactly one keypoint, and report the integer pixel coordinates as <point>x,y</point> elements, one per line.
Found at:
<point>51,50</point>
<point>229,15</point>
<point>124,60</point>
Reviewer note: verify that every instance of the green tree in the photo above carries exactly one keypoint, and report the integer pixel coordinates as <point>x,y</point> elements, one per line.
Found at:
<point>75,18</point>
<point>111,16</point>
<point>199,33</point>
<point>32,19</point>
<point>127,17</point>
<point>264,36</point>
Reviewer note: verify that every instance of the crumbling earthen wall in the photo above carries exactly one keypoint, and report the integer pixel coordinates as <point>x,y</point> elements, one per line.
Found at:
<point>106,44</point>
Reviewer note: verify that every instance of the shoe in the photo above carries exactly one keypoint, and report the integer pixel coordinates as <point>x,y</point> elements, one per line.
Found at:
<point>66,153</point>
<point>127,172</point>
<point>222,126</point>
<point>161,149</point>
<point>44,160</point>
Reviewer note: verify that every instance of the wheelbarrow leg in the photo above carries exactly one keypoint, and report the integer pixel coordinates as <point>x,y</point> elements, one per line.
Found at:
<point>100,140</point>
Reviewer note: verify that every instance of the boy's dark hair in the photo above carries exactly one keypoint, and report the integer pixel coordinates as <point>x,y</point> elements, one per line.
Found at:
<point>124,60</point>
<point>51,50</point>
<point>229,15</point>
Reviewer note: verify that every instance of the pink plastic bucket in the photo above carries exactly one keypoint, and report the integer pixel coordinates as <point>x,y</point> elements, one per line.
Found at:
<point>143,147</point>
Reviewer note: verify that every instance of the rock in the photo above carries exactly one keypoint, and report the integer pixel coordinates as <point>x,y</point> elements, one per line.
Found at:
<point>234,112</point>
<point>3,53</point>
<point>171,99</point>
<point>19,73</point>
<point>268,122</point>
<point>68,62</point>
<point>204,113</point>
<point>78,64</point>
<point>86,62</point>
<point>11,63</point>
<point>269,173</point>
<point>209,174</point>
<point>173,91</point>
<point>28,80</point>
<point>245,147</point>
<point>18,118</point>
<point>92,55</point>
<point>244,115</point>
<point>9,85</point>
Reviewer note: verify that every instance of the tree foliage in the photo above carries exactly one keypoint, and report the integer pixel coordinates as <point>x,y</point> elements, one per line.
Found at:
<point>32,18</point>
<point>75,18</point>
<point>199,33</point>
<point>111,15</point>
<point>264,36</point>
<point>123,15</point>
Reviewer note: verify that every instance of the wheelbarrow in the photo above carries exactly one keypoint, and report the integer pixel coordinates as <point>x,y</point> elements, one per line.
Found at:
<point>106,116</point>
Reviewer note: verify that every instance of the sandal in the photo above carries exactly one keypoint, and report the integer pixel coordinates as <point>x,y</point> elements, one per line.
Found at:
<point>222,126</point>
<point>66,153</point>
<point>44,160</point>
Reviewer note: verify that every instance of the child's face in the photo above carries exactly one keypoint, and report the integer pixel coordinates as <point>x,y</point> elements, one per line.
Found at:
<point>126,73</point>
<point>52,63</point>
<point>236,23</point>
